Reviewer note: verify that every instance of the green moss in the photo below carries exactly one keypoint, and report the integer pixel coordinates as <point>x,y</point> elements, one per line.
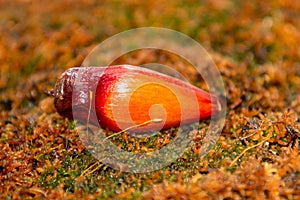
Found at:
<point>9,197</point>
<point>3,139</point>
<point>45,156</point>
<point>30,66</point>
<point>45,177</point>
<point>71,167</point>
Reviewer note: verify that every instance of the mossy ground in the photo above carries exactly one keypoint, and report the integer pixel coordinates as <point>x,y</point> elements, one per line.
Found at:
<point>255,45</point>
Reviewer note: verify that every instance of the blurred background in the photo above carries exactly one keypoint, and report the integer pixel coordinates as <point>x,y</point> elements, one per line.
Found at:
<point>53,36</point>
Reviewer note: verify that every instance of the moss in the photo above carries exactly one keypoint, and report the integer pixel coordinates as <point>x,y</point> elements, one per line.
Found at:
<point>30,66</point>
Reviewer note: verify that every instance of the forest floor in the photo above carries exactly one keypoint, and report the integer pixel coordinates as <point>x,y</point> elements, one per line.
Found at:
<point>255,46</point>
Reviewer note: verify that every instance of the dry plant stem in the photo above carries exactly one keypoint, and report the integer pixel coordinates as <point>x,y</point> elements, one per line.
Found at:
<point>33,190</point>
<point>98,167</point>
<point>248,148</point>
<point>156,120</point>
<point>89,114</point>
<point>247,136</point>
<point>85,172</point>
<point>56,147</point>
